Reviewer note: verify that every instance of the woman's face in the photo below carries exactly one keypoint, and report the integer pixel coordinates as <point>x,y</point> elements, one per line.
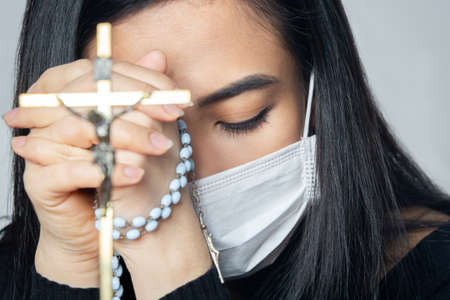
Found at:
<point>210,45</point>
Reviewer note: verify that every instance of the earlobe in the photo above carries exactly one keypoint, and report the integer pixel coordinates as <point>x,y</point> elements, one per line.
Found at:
<point>155,60</point>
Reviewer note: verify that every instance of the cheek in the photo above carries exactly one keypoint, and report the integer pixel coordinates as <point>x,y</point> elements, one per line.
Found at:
<point>216,151</point>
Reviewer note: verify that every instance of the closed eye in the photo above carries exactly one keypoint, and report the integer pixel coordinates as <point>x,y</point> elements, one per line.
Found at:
<point>246,126</point>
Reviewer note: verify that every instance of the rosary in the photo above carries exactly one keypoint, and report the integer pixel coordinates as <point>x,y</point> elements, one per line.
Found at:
<point>115,227</point>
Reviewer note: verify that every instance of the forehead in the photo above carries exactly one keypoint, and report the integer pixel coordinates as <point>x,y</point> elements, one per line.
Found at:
<point>212,42</point>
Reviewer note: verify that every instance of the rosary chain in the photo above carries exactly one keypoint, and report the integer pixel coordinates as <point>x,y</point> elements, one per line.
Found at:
<point>214,253</point>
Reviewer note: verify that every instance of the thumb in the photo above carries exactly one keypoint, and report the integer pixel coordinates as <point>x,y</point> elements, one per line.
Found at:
<point>155,60</point>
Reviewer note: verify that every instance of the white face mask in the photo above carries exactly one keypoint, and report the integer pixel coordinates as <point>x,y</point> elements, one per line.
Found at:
<point>250,210</point>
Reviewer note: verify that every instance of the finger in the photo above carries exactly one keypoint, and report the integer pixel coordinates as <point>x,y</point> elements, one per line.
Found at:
<point>155,60</point>
<point>124,135</point>
<point>157,79</point>
<point>42,117</point>
<point>121,82</point>
<point>81,76</point>
<point>35,117</point>
<point>45,152</point>
<point>70,130</point>
<point>73,175</point>
<point>139,118</point>
<point>166,112</point>
<point>54,79</point>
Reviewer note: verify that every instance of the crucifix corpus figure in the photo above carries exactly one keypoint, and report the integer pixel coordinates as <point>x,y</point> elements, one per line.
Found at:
<point>102,118</point>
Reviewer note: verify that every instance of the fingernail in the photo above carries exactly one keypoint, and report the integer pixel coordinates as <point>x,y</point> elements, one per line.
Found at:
<point>173,109</point>
<point>160,141</point>
<point>133,172</point>
<point>18,142</point>
<point>10,115</point>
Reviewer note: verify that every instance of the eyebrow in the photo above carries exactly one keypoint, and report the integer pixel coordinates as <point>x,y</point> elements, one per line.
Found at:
<point>251,82</point>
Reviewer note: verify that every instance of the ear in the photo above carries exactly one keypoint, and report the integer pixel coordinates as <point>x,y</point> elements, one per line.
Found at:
<point>155,60</point>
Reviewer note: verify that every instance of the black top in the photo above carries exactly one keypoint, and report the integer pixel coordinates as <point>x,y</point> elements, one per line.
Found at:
<point>427,265</point>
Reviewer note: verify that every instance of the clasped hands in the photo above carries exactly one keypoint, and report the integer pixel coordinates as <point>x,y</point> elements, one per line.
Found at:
<point>59,179</point>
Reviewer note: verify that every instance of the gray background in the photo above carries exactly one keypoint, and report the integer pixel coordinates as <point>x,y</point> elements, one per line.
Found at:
<point>404,45</point>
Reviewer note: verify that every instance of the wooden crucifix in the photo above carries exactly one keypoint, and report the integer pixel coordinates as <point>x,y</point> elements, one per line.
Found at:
<point>102,117</point>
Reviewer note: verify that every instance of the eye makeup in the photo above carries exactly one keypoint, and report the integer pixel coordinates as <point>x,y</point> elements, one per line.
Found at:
<point>247,126</point>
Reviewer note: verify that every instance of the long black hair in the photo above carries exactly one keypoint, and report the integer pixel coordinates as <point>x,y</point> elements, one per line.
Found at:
<point>365,178</point>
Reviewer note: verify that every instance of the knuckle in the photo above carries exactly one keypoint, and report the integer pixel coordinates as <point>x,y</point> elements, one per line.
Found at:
<point>48,72</point>
<point>66,153</point>
<point>81,67</point>
<point>42,82</point>
<point>29,181</point>
<point>121,134</point>
<point>156,126</point>
<point>75,131</point>
<point>27,176</point>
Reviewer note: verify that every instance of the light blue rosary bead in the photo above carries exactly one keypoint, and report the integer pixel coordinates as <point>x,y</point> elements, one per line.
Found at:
<point>119,222</point>
<point>98,213</point>
<point>119,293</point>
<point>115,283</point>
<point>174,185</point>
<point>155,213</point>
<point>188,165</point>
<point>115,262</point>
<point>133,234</point>
<point>181,169</point>
<point>176,197</point>
<point>185,153</point>
<point>166,200</point>
<point>138,221</point>
<point>118,272</point>
<point>151,226</point>
<point>192,164</point>
<point>115,234</point>
<point>166,212</point>
<point>183,181</point>
<point>97,224</point>
<point>181,125</point>
<point>185,138</point>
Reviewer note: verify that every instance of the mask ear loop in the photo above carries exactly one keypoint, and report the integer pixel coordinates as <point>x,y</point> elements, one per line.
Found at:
<point>308,105</point>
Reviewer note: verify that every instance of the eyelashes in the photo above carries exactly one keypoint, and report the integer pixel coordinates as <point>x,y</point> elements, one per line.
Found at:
<point>246,126</point>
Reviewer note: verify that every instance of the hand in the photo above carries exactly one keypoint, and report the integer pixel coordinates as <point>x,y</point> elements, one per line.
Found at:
<point>59,172</point>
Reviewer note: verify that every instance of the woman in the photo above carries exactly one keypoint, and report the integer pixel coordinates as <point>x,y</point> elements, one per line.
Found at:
<point>363,232</point>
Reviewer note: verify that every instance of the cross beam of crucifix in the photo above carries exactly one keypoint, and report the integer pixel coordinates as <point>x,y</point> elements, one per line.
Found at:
<point>102,118</point>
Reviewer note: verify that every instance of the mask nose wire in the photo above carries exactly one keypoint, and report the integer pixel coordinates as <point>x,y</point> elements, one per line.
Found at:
<point>308,106</point>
